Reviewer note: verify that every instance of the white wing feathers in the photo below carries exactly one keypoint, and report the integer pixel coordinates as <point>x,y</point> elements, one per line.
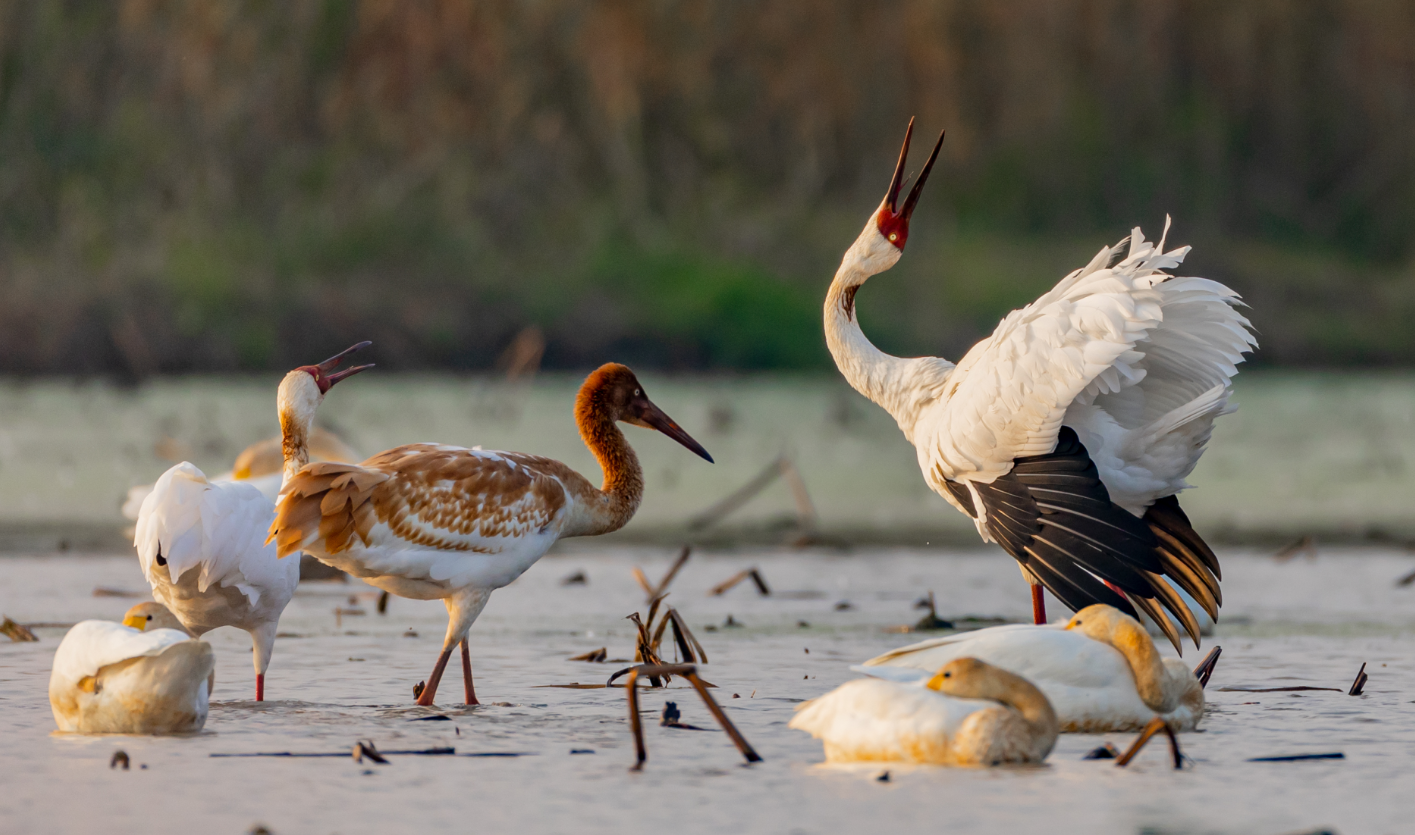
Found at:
<point>92,645</point>
<point>1137,361</point>
<point>217,529</point>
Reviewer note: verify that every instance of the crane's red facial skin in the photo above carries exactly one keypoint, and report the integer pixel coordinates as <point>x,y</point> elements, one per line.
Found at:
<point>324,374</point>
<point>894,227</point>
<point>892,220</point>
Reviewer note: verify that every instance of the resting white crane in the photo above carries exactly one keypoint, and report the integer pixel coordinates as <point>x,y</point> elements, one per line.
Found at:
<point>434,522</point>
<point>143,676</point>
<point>1067,433</point>
<point>969,713</point>
<point>202,543</point>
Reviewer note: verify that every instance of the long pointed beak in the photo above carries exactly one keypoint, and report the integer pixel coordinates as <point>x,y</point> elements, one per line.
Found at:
<point>891,197</point>
<point>655,418</point>
<point>327,367</point>
<point>913,199</point>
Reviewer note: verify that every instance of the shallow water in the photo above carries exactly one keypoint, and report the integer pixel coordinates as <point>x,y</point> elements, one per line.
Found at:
<point>1329,454</point>
<point>1304,622</point>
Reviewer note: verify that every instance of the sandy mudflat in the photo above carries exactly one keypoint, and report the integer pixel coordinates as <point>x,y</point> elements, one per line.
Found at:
<point>1306,622</point>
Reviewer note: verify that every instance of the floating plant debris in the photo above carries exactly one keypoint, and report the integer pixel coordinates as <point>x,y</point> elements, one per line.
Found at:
<point>16,632</point>
<point>1359,685</point>
<point>727,585</point>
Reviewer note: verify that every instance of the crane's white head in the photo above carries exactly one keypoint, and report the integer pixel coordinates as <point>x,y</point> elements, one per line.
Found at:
<point>302,389</point>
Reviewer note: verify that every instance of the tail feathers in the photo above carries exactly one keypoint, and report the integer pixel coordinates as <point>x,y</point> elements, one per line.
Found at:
<point>326,505</point>
<point>1189,563</point>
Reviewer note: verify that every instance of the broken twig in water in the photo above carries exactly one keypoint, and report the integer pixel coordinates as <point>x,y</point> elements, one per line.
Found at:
<point>1104,752</point>
<point>383,603</point>
<point>1205,670</point>
<point>1292,758</point>
<point>689,672</point>
<point>103,591</point>
<point>340,613</point>
<point>425,752</point>
<point>728,584</point>
<point>927,623</point>
<point>656,591</point>
<point>120,759</point>
<point>650,639</point>
<point>1306,545</point>
<point>1359,684</point>
<point>17,632</point>
<point>576,579</point>
<point>594,656</point>
<point>364,748</point>
<point>1156,725</point>
<point>1243,689</point>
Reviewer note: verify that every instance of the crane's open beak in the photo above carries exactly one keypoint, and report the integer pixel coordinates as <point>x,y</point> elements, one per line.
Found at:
<point>893,218</point>
<point>654,418</point>
<point>326,369</point>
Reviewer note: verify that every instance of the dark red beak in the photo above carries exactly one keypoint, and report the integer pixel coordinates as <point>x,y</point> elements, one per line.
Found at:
<point>893,220</point>
<point>654,417</point>
<point>324,373</point>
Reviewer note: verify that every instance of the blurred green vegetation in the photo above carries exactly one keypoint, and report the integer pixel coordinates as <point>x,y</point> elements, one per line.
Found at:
<point>209,185</point>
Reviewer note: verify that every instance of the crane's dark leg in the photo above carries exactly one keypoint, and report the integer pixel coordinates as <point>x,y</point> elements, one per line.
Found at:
<point>260,687</point>
<point>1039,604</point>
<point>467,675</point>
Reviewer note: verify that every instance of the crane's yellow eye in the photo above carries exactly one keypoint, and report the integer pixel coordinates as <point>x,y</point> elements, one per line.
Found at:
<point>893,236</point>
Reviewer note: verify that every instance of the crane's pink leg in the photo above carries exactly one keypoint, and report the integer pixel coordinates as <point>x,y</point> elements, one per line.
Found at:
<point>467,675</point>
<point>260,687</point>
<point>430,689</point>
<point>1039,604</point>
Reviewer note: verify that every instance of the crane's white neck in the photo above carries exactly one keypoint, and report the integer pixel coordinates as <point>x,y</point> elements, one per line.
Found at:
<point>297,400</point>
<point>879,376</point>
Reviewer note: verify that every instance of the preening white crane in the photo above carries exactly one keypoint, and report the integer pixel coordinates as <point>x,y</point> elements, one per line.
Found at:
<point>202,543</point>
<point>1067,433</point>
<point>434,522</point>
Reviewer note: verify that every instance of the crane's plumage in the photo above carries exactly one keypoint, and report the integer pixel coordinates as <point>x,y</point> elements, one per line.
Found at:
<point>421,519</point>
<point>1096,681</point>
<point>993,719</point>
<point>430,522</point>
<point>112,678</point>
<point>202,549</point>
<point>1066,434</point>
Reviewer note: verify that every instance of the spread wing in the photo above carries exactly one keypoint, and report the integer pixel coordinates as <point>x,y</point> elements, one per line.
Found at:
<point>217,529</point>
<point>1008,395</point>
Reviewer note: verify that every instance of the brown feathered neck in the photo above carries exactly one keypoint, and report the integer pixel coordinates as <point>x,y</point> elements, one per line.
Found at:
<point>598,407</point>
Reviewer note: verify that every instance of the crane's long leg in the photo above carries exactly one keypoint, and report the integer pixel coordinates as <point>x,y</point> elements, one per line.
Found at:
<point>260,687</point>
<point>1039,604</point>
<point>467,675</point>
<point>463,606</point>
<point>430,689</point>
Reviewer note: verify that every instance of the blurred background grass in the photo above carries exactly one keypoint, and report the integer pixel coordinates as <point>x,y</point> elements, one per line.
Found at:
<point>213,186</point>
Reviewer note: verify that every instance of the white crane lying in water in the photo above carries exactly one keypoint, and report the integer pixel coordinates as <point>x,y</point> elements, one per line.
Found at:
<point>1067,433</point>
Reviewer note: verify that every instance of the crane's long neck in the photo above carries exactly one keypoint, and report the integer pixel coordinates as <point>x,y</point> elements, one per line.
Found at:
<point>870,371</point>
<point>623,488</point>
<point>294,443</point>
